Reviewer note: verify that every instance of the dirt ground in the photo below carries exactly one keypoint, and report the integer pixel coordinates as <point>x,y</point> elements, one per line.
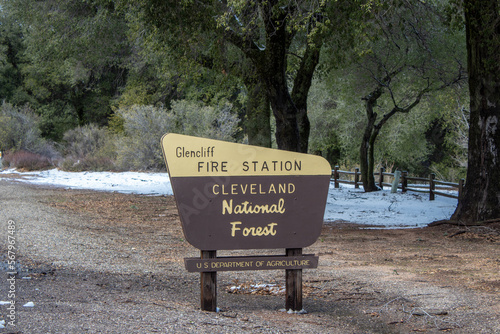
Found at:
<point>96,262</point>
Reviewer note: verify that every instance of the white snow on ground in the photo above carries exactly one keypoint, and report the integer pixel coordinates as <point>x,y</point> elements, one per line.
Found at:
<point>386,209</point>
<point>126,182</point>
<point>381,208</point>
<point>265,289</point>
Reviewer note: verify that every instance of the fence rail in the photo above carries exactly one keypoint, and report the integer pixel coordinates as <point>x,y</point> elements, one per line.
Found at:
<point>417,184</point>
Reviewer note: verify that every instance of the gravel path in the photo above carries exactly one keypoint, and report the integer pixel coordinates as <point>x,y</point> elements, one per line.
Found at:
<point>86,276</point>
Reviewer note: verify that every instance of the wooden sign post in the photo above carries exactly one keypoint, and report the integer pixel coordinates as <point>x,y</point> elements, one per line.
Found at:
<point>208,285</point>
<point>293,279</point>
<point>234,196</point>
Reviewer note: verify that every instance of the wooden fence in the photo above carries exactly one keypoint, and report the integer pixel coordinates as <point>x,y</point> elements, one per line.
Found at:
<point>418,184</point>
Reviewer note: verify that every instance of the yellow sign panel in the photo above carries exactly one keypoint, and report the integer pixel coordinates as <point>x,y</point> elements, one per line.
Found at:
<point>193,156</point>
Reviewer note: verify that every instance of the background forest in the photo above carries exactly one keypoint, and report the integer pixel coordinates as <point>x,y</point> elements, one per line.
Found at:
<point>94,84</point>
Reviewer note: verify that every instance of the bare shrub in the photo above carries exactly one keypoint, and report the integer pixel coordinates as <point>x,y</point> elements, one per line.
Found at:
<point>195,119</point>
<point>139,145</point>
<point>18,128</point>
<point>84,140</point>
<point>19,132</point>
<point>92,163</point>
<point>88,147</point>
<point>27,161</point>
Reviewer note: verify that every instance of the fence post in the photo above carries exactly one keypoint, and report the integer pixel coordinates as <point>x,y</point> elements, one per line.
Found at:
<point>381,178</point>
<point>460,187</point>
<point>395,182</point>
<point>432,186</point>
<point>336,176</point>
<point>356,178</point>
<point>404,181</point>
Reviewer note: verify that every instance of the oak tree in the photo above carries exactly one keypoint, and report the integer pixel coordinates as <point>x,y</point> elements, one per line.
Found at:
<point>263,35</point>
<point>408,53</point>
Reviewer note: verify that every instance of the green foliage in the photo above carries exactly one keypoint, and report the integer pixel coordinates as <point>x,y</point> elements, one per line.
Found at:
<point>76,61</point>
<point>85,37</point>
<point>453,111</point>
<point>404,141</point>
<point>407,53</point>
<point>56,118</point>
<point>11,62</point>
<point>325,131</point>
<point>73,55</point>
<point>338,118</point>
<point>241,39</point>
<point>175,59</point>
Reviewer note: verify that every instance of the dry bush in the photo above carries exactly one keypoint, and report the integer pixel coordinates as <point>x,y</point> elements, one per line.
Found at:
<point>143,126</point>
<point>20,135</point>
<point>88,147</point>
<point>27,161</point>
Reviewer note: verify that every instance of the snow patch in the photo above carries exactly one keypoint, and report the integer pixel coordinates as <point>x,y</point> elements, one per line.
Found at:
<point>257,289</point>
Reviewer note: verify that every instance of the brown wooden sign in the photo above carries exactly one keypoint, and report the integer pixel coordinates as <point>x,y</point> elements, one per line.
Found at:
<point>251,263</point>
<point>235,196</point>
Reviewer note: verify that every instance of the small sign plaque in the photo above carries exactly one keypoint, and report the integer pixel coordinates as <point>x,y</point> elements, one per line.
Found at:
<point>235,196</point>
<point>251,263</point>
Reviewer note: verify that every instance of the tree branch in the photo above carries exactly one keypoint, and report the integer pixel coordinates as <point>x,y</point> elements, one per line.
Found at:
<point>247,46</point>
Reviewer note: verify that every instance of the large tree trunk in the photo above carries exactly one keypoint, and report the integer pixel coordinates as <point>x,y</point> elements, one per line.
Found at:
<point>481,197</point>
<point>258,114</point>
<point>366,159</point>
<point>371,161</point>
<point>301,86</point>
<point>285,113</point>
<point>289,109</point>
<point>273,73</point>
<point>366,151</point>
